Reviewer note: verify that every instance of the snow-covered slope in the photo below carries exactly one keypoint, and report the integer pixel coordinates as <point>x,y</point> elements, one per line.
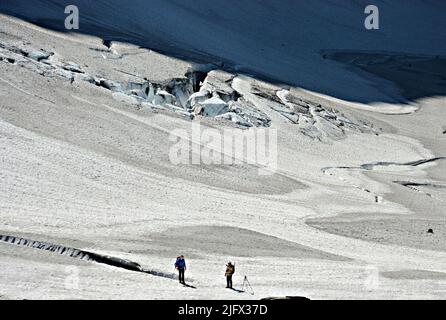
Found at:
<point>280,40</point>
<point>86,136</point>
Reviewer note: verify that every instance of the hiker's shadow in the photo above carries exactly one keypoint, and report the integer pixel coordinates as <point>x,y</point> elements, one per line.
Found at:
<point>189,286</point>
<point>237,290</point>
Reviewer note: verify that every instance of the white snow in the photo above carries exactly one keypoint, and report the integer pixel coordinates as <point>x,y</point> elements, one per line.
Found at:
<point>282,41</point>
<point>84,150</point>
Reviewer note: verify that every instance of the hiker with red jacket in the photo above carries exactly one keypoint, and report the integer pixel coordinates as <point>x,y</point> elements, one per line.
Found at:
<point>180,265</point>
<point>230,269</point>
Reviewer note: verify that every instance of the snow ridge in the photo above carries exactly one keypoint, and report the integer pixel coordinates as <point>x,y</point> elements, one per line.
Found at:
<point>82,255</point>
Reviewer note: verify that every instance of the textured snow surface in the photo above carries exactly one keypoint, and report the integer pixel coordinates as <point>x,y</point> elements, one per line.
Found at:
<point>281,41</point>
<point>84,149</point>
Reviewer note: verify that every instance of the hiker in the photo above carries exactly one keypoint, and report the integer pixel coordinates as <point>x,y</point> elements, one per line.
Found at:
<point>180,265</point>
<point>230,269</point>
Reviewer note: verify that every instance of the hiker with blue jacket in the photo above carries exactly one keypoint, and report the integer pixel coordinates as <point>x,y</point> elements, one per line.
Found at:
<point>180,265</point>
